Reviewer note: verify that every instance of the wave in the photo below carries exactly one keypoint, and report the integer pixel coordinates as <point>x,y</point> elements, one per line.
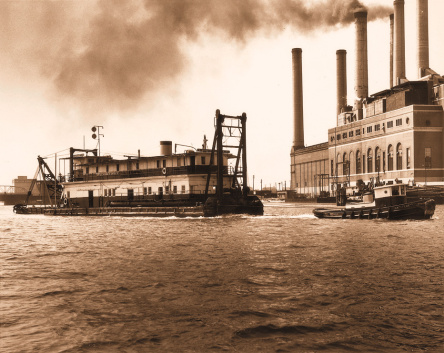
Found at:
<point>269,330</point>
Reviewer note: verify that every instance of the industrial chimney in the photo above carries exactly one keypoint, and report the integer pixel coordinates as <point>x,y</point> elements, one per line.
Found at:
<point>422,8</point>
<point>341,80</point>
<point>298,140</point>
<point>361,83</point>
<point>399,43</point>
<point>392,20</point>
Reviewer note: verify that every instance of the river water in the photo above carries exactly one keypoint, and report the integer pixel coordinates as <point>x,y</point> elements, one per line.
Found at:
<point>283,282</point>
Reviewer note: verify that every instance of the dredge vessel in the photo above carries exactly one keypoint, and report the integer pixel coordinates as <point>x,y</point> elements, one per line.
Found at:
<point>197,182</point>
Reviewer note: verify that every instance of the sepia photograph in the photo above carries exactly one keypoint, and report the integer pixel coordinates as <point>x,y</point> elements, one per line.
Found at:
<point>221,176</point>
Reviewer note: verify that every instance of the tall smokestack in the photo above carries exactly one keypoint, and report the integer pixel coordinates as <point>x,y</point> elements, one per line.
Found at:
<point>392,20</point>
<point>341,79</point>
<point>399,45</point>
<point>361,85</point>
<point>298,110</point>
<point>422,7</point>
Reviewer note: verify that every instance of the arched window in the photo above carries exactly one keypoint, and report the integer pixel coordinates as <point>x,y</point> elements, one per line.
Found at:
<point>351,162</point>
<point>399,156</point>
<point>390,157</point>
<point>377,159</point>
<point>338,163</point>
<point>369,160</point>
<point>358,162</point>
<point>345,163</point>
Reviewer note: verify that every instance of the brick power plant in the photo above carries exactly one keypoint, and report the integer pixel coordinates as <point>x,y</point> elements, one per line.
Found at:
<point>389,136</point>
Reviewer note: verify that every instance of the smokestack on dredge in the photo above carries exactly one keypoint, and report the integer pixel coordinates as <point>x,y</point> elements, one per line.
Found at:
<point>298,104</point>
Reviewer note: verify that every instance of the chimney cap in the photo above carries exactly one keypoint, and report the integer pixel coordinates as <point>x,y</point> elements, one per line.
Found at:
<point>166,143</point>
<point>339,51</point>
<point>360,13</point>
<point>296,50</point>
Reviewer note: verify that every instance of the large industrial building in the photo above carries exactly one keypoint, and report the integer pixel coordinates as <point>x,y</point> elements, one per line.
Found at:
<point>388,136</point>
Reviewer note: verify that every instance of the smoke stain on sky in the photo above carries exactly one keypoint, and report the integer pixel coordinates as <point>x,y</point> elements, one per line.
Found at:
<point>109,55</point>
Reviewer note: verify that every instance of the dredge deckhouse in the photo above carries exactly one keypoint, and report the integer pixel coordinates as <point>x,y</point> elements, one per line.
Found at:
<point>196,182</point>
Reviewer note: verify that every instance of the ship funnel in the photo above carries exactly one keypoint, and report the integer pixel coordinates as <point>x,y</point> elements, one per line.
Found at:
<point>399,43</point>
<point>361,85</point>
<point>341,80</point>
<point>166,148</point>
<point>422,7</point>
<point>298,110</point>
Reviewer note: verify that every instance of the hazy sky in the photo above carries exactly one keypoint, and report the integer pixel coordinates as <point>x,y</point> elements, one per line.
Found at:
<point>151,70</point>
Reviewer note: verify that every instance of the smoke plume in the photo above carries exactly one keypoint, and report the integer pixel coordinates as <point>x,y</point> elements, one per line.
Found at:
<point>116,53</point>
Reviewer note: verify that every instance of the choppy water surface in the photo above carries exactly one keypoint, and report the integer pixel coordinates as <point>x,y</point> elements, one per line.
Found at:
<point>284,282</point>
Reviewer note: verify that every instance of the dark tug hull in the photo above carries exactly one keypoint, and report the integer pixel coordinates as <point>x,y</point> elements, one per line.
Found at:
<point>423,209</point>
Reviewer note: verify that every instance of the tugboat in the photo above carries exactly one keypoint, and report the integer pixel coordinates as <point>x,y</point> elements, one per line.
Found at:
<point>386,201</point>
<point>195,183</point>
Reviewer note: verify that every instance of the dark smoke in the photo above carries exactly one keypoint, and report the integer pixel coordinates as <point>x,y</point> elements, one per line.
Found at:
<point>131,49</point>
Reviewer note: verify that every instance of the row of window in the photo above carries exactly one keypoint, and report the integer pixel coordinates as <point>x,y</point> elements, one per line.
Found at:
<point>149,190</point>
<point>369,129</point>
<point>159,163</point>
<point>376,160</point>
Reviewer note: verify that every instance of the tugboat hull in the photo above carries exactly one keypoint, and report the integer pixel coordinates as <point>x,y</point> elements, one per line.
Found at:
<point>423,209</point>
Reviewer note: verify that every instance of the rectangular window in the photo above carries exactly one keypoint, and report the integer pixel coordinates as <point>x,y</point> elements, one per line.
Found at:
<point>202,160</point>
<point>137,165</point>
<point>183,189</point>
<point>389,124</point>
<point>150,191</point>
<point>338,137</point>
<point>179,162</point>
<point>332,168</point>
<point>350,134</point>
<point>428,157</point>
<point>358,132</point>
<point>158,164</point>
<point>107,168</point>
<point>145,190</point>
<point>377,127</point>
<point>167,189</point>
<point>369,129</point>
<point>175,189</point>
<point>398,122</point>
<point>160,190</point>
<point>87,170</point>
<point>130,194</point>
<point>344,135</point>
<point>114,192</point>
<point>363,131</point>
<point>97,168</point>
<point>117,167</point>
<point>164,163</point>
<point>106,192</point>
<point>68,194</point>
<point>407,152</point>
